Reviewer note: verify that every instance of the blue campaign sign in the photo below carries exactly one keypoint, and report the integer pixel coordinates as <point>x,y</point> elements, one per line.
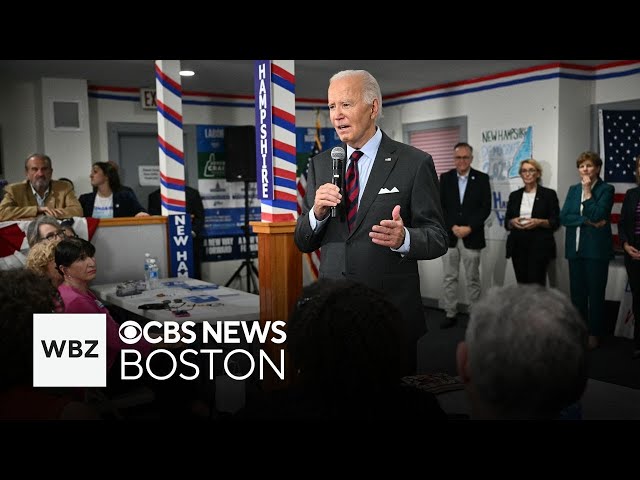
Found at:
<point>210,138</point>
<point>180,245</point>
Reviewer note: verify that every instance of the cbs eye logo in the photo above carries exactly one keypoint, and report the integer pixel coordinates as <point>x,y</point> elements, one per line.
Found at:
<point>130,332</point>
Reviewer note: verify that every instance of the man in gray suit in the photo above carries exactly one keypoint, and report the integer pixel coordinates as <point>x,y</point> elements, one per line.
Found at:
<point>389,210</point>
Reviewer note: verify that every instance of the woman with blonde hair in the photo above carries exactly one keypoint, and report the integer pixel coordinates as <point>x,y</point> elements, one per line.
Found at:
<point>532,216</point>
<point>41,259</point>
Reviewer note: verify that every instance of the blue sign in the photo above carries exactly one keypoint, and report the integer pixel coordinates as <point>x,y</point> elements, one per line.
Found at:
<point>264,140</point>
<point>180,245</point>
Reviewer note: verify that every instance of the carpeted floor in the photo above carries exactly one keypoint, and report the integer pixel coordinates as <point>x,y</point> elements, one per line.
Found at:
<point>610,362</point>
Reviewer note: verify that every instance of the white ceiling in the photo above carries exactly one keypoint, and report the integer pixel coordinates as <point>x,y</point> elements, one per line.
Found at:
<point>236,76</point>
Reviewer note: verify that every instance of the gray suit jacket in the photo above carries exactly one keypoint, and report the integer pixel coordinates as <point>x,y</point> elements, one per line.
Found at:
<point>355,256</point>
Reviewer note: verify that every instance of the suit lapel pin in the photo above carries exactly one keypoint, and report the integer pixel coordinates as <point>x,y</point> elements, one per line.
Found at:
<point>388,159</point>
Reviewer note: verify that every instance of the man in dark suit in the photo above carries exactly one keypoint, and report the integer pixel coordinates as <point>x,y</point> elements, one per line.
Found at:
<point>385,225</point>
<point>465,196</point>
<point>195,209</point>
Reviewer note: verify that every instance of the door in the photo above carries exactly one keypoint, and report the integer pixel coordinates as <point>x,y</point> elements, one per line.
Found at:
<point>135,151</point>
<point>132,145</point>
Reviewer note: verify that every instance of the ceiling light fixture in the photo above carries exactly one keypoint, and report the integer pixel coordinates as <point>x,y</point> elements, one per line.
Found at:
<point>187,73</point>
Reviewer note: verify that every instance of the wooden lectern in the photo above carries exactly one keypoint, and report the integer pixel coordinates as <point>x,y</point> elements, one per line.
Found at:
<point>280,267</point>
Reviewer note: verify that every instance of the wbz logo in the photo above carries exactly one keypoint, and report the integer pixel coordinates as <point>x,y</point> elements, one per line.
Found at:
<point>69,350</point>
<point>74,348</point>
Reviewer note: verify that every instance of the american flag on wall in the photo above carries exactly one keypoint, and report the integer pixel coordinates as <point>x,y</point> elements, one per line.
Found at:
<point>313,258</point>
<point>619,145</point>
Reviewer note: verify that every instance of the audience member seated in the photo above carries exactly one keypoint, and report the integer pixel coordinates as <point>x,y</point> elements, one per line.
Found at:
<point>67,228</point>
<point>75,259</point>
<point>42,228</point>
<point>524,355</point>
<point>39,194</point>
<point>195,209</point>
<point>76,262</point>
<point>346,346</point>
<point>23,293</point>
<point>109,199</point>
<point>42,260</point>
<point>65,179</point>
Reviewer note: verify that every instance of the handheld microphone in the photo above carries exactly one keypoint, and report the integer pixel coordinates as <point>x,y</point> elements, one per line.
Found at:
<point>337,156</point>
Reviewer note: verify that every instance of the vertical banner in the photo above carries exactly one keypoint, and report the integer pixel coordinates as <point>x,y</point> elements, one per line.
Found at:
<point>223,201</point>
<point>275,101</point>
<point>501,152</point>
<point>264,134</point>
<point>180,245</point>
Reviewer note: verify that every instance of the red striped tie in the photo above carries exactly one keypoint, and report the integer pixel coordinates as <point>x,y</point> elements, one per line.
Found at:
<point>352,188</point>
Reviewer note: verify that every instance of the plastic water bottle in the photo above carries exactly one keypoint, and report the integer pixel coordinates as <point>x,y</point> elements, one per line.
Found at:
<point>154,274</point>
<point>147,257</point>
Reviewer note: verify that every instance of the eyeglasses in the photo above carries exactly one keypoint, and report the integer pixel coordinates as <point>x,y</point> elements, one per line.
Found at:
<point>60,234</point>
<point>462,158</point>
<point>528,170</point>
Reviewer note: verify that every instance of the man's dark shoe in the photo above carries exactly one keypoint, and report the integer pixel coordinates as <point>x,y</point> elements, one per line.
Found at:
<point>636,355</point>
<point>448,322</point>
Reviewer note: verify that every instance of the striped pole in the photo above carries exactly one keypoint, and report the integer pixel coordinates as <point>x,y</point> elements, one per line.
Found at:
<point>274,87</point>
<point>171,156</point>
<point>170,140</point>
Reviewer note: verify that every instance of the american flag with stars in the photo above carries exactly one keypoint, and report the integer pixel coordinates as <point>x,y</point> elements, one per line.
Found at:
<point>619,146</point>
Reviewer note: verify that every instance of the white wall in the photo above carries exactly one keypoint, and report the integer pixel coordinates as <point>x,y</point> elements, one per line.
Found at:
<point>617,89</point>
<point>19,122</point>
<point>70,150</point>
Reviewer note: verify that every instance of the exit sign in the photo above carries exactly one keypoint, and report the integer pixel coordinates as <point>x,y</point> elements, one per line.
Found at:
<point>148,98</point>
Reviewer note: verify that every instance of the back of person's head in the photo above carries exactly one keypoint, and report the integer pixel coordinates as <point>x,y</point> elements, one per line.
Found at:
<point>344,339</point>
<point>65,179</point>
<point>39,257</point>
<point>22,293</point>
<point>111,172</point>
<point>71,249</point>
<point>524,354</point>
<point>33,229</point>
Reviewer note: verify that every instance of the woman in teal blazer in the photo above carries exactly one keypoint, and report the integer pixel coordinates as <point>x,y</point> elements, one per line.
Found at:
<point>588,242</point>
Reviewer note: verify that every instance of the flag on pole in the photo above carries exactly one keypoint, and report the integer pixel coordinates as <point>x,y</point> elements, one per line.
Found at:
<point>313,258</point>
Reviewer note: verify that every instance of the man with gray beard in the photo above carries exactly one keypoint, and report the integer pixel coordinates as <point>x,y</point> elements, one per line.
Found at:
<point>39,195</point>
